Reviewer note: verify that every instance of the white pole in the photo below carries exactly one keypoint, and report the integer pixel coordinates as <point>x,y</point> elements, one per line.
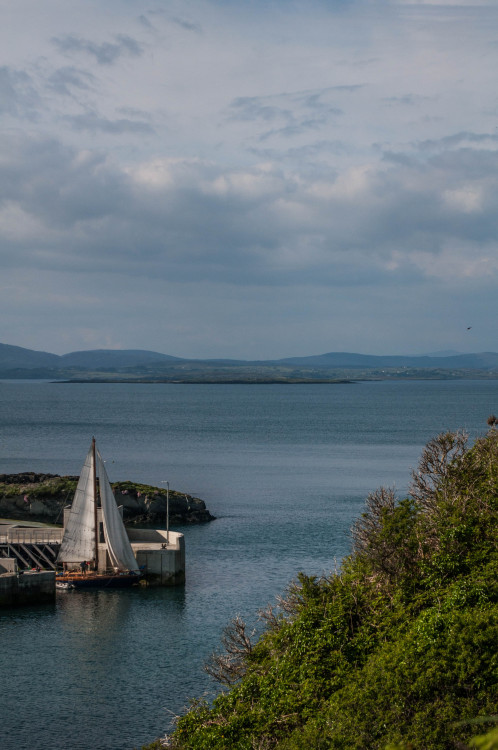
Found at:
<point>167,512</point>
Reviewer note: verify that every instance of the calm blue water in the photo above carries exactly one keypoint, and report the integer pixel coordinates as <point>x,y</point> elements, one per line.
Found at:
<point>284,468</point>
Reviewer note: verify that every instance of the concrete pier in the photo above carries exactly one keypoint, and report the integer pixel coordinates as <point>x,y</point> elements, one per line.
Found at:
<point>161,554</point>
<point>30,546</point>
<point>30,587</point>
<point>162,558</point>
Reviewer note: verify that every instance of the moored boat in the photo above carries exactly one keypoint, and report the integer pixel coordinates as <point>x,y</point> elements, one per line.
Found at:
<point>96,580</point>
<point>95,550</point>
<point>63,585</point>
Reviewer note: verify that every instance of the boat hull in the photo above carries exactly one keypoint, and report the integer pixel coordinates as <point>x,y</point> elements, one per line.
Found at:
<point>97,581</point>
<point>64,585</point>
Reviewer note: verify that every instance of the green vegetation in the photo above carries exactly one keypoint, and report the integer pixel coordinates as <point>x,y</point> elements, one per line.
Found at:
<point>397,650</point>
<point>51,487</point>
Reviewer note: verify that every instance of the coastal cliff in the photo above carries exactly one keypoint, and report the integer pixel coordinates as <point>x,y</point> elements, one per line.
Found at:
<point>42,497</point>
<point>394,651</point>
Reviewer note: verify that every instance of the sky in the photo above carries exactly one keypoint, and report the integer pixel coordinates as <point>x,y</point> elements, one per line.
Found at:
<point>249,179</point>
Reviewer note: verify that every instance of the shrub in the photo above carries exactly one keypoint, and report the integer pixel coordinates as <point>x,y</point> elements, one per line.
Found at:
<point>396,649</point>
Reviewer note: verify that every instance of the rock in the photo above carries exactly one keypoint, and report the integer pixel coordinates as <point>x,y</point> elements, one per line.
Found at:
<point>39,508</point>
<point>43,496</point>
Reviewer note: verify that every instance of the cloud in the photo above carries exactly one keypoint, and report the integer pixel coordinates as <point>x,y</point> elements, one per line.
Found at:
<point>188,220</point>
<point>308,154</point>
<point>58,188</point>
<point>94,124</point>
<point>257,108</point>
<point>283,106</point>
<point>186,25</point>
<point>18,95</point>
<point>145,22</point>
<point>296,128</point>
<point>105,53</point>
<point>292,114</point>
<point>177,20</point>
<point>274,154</point>
<point>486,140</point>
<point>410,100</point>
<point>65,79</point>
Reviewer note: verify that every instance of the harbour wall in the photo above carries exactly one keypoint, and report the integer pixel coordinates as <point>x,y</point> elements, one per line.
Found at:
<point>18,588</point>
<point>162,555</point>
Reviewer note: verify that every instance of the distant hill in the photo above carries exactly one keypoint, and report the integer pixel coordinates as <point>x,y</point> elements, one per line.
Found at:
<point>142,365</point>
<point>16,356</point>
<point>485,360</point>
<point>104,358</point>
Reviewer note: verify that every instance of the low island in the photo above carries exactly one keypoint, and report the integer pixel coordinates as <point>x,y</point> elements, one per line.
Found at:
<point>42,497</point>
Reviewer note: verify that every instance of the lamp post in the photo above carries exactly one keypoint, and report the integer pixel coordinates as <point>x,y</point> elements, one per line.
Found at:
<point>167,511</point>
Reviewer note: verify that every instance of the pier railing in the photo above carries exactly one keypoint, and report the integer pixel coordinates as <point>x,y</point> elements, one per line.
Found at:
<point>31,536</point>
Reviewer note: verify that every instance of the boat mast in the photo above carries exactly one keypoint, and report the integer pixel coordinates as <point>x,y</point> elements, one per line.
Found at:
<point>95,513</point>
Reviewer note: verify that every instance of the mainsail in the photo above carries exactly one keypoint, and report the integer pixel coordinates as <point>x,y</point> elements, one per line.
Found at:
<point>80,534</point>
<point>118,545</point>
<point>78,543</point>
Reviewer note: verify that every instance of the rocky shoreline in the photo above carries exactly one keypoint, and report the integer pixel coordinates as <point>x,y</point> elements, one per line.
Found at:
<point>42,498</point>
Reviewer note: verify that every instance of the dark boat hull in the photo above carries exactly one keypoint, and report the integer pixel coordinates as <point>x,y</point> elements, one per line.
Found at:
<point>103,581</point>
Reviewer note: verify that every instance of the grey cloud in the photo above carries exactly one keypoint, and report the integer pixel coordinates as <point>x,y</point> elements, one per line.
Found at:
<point>57,187</point>
<point>456,139</point>
<point>95,124</point>
<point>64,79</point>
<point>291,113</point>
<point>145,22</point>
<point>407,99</point>
<point>134,48</point>
<point>204,223</point>
<point>325,208</point>
<point>18,95</point>
<point>187,25</point>
<point>285,105</point>
<point>303,154</point>
<point>317,148</point>
<point>106,53</point>
<point>362,63</point>
<point>133,112</point>
<point>291,130</point>
<point>177,20</point>
<point>451,165</point>
<point>251,108</point>
<point>314,100</point>
<point>414,211</point>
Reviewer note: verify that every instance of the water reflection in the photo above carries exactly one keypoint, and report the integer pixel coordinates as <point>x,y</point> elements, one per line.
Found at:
<point>21,615</point>
<point>87,672</point>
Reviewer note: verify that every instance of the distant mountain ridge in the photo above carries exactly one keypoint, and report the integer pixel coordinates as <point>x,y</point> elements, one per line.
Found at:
<point>114,358</point>
<point>482,361</point>
<point>16,358</point>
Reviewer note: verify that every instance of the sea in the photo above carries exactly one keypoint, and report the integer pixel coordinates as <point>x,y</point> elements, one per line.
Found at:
<point>284,468</point>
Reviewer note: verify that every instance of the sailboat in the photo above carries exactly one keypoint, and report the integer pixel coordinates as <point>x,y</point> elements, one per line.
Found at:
<point>95,551</point>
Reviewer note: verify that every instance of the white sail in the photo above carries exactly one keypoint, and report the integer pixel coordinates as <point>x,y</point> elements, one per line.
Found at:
<point>118,545</point>
<point>78,543</point>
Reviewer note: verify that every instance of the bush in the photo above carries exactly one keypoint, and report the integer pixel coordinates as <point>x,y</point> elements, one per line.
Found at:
<point>398,648</point>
